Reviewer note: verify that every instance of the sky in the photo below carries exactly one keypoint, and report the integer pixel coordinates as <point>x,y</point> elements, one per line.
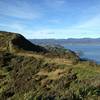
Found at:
<point>44,19</point>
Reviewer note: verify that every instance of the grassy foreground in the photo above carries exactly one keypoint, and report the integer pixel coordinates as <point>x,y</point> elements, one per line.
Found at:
<point>45,74</point>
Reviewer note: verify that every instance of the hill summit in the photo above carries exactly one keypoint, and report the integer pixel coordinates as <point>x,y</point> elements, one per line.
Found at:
<point>13,42</point>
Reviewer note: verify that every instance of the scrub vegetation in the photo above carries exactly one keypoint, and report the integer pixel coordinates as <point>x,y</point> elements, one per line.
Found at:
<point>32,72</point>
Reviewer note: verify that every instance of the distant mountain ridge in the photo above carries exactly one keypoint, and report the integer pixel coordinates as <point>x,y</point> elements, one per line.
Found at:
<point>67,41</point>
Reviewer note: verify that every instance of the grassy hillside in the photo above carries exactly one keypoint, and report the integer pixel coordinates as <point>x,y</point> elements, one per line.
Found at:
<point>45,73</point>
<point>13,42</point>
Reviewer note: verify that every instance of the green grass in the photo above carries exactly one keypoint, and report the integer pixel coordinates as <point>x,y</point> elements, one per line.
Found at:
<point>85,73</point>
<point>22,82</point>
<point>61,79</point>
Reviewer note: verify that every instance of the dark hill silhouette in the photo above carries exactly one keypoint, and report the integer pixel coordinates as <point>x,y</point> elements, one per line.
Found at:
<point>14,42</point>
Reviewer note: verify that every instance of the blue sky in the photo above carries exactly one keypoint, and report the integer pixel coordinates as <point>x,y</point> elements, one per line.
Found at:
<point>51,18</point>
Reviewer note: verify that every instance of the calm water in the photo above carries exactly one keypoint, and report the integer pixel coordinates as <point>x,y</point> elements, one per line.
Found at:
<point>88,51</point>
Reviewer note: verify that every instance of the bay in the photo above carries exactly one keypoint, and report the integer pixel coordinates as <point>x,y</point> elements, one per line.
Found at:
<point>87,51</point>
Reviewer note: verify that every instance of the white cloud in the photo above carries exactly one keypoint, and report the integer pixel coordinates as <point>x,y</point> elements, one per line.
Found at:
<point>13,26</point>
<point>48,33</point>
<point>24,9</point>
<point>91,23</point>
<point>18,9</point>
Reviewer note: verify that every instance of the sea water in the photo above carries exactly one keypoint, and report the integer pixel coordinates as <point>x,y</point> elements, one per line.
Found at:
<point>87,51</point>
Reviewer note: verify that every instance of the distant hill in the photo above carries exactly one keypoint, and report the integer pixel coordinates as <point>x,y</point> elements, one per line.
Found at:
<point>16,43</point>
<point>67,41</point>
<point>13,42</point>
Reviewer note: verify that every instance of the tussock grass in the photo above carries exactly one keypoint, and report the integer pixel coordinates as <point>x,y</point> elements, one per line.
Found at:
<point>53,75</point>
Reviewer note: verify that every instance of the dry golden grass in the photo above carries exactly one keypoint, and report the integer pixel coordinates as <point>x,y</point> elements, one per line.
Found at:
<point>47,59</point>
<point>53,75</point>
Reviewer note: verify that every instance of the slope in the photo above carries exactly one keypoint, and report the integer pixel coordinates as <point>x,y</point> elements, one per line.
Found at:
<point>40,75</point>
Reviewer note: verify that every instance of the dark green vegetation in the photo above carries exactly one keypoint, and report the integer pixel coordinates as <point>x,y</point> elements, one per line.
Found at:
<point>31,72</point>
